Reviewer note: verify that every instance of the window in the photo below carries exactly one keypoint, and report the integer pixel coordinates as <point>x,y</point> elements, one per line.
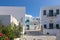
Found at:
<point>45,26</point>
<point>57,11</point>
<point>50,12</point>
<point>44,12</point>
<point>50,25</point>
<point>26,21</point>
<point>34,23</point>
<point>37,19</point>
<point>27,27</point>
<point>47,33</point>
<point>57,26</point>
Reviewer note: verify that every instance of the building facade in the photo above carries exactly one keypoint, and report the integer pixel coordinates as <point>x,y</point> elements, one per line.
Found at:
<point>35,23</point>
<point>32,23</point>
<point>50,19</point>
<point>16,11</point>
<point>27,22</point>
<point>8,20</point>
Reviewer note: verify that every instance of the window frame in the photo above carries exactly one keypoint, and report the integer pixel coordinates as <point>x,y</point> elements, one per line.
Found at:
<point>57,26</point>
<point>51,12</point>
<point>57,11</point>
<point>51,26</point>
<point>45,26</point>
<point>44,12</point>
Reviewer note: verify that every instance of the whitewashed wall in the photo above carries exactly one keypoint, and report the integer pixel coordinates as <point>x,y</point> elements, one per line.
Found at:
<point>47,37</point>
<point>16,11</point>
<point>7,20</point>
<point>46,20</point>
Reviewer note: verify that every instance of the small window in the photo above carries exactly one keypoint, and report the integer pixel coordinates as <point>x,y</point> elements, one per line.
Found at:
<point>27,27</point>
<point>50,12</point>
<point>57,26</point>
<point>50,25</point>
<point>34,24</point>
<point>47,33</point>
<point>45,26</point>
<point>44,12</point>
<point>57,11</point>
<point>36,18</point>
<point>26,21</point>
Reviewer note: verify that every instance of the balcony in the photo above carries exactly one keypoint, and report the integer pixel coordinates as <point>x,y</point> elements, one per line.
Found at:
<point>51,15</point>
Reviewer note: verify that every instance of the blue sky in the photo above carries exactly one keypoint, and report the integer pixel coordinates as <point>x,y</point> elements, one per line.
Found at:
<point>32,6</point>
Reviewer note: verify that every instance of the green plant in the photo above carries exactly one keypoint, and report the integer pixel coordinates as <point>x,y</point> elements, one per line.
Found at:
<point>9,33</point>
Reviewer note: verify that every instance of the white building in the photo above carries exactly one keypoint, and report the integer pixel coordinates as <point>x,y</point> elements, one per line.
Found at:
<point>16,11</point>
<point>50,19</point>
<point>8,20</point>
<point>28,19</point>
<point>32,23</point>
<point>35,23</point>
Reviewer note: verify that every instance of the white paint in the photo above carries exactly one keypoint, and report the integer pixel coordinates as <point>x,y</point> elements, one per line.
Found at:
<point>16,11</point>
<point>7,20</point>
<point>31,23</point>
<point>47,37</point>
<point>44,19</point>
<point>17,39</point>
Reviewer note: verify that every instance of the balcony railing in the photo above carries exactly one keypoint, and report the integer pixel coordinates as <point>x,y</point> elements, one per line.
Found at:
<point>51,15</point>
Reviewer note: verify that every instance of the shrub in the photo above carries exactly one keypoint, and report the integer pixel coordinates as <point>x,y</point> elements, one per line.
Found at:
<point>6,33</point>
